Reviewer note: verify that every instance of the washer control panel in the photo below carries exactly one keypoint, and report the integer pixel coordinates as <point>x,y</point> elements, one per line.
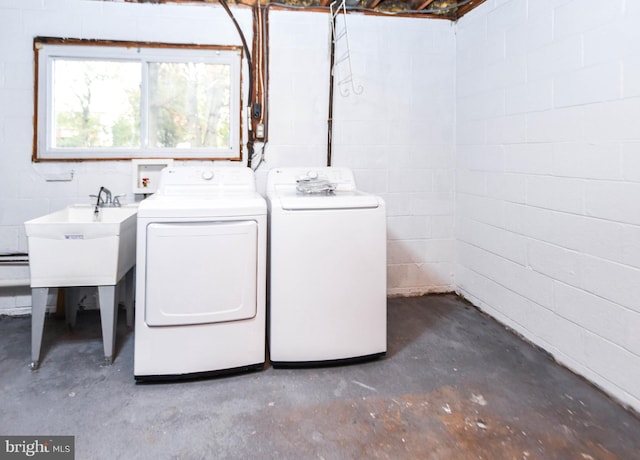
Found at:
<point>280,178</point>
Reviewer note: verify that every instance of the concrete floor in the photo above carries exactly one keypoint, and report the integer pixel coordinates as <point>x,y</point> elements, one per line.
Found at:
<point>455,384</point>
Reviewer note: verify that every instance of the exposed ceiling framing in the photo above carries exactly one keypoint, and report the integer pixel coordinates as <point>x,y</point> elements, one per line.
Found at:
<point>443,9</point>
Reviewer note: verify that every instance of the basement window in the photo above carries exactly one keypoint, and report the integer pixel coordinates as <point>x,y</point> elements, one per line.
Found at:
<point>123,100</point>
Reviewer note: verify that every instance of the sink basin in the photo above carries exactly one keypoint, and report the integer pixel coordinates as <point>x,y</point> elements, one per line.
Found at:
<point>70,248</point>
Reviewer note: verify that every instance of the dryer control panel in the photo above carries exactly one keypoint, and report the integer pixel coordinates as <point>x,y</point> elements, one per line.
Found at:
<point>197,181</point>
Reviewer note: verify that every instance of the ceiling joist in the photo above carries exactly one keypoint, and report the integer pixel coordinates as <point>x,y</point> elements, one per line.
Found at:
<point>445,9</point>
<point>425,4</point>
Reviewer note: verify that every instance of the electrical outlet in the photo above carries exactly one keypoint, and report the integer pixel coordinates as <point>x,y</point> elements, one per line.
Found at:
<point>257,111</point>
<point>260,131</point>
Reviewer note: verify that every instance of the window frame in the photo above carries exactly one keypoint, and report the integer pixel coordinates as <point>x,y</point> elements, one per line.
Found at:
<point>47,49</point>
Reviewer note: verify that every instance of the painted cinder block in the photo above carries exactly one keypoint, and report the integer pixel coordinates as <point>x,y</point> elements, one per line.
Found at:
<point>532,96</point>
<point>481,157</point>
<point>486,104</point>
<point>497,241</point>
<point>589,160</point>
<point>53,22</point>
<point>507,187</point>
<point>600,316</point>
<point>16,102</point>
<point>580,220</point>
<point>410,180</point>
<point>631,76</point>
<point>534,158</point>
<point>408,227</point>
<point>508,307</point>
<point>587,85</point>
<point>482,209</point>
<point>471,182</point>
<point>535,33</point>
<point>561,125</point>
<point>573,18</point>
<point>520,279</point>
<point>613,200</point>
<point>557,193</point>
<point>11,30</point>
<point>557,333</point>
<point>555,58</point>
<point>432,204</point>
<point>510,129</point>
<point>613,362</point>
<point>414,279</point>
<point>630,246</point>
<point>507,15</point>
<point>612,121</point>
<point>442,226</point>
<point>597,44</point>
<point>611,280</point>
<point>555,262</point>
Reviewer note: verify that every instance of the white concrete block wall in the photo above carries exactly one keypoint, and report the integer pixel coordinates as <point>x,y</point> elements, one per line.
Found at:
<point>298,89</point>
<point>398,137</point>
<point>548,188</point>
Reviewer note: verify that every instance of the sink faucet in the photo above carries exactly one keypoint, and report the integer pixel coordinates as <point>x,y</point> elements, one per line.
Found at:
<point>100,202</point>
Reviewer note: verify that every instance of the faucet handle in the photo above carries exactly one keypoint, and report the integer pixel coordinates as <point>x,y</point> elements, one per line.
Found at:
<point>116,200</point>
<point>96,196</point>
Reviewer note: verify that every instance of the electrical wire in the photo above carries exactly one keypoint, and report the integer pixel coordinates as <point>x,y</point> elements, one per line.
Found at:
<point>244,43</point>
<point>261,13</point>
<point>259,83</point>
<point>250,151</point>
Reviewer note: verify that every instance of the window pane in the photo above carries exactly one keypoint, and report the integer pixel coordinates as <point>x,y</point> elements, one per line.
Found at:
<point>189,105</point>
<point>96,104</point>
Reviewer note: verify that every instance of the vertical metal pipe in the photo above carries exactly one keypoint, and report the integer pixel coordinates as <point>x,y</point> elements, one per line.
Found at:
<point>330,116</point>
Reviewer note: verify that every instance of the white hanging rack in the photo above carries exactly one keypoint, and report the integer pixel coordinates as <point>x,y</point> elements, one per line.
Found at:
<point>346,84</point>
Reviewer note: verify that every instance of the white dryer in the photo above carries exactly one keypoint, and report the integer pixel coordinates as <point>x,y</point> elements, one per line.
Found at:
<point>201,275</point>
<point>327,269</point>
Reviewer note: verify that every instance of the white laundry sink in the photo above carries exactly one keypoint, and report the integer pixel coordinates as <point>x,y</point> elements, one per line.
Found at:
<point>71,248</point>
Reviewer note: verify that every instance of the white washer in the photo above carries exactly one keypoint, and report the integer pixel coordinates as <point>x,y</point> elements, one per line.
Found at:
<point>201,275</point>
<point>327,280</point>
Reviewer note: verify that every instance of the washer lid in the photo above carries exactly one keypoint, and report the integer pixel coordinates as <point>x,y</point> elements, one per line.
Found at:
<point>294,200</point>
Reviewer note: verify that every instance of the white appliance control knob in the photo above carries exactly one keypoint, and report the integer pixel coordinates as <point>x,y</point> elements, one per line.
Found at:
<point>207,175</point>
<point>312,174</point>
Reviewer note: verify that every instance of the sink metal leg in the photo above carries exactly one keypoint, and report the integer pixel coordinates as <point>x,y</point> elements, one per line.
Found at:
<point>71,301</point>
<point>108,316</point>
<point>38,308</point>
<point>129,296</point>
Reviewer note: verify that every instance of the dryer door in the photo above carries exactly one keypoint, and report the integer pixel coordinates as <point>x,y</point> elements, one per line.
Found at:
<point>200,272</point>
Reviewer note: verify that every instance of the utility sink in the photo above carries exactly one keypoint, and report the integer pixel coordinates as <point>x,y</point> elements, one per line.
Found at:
<point>70,248</point>
<point>74,247</point>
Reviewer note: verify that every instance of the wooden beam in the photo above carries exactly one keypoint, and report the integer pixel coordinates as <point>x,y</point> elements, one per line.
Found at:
<point>373,3</point>
<point>425,4</point>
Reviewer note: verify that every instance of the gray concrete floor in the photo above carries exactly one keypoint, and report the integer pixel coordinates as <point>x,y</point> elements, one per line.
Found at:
<point>455,384</point>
